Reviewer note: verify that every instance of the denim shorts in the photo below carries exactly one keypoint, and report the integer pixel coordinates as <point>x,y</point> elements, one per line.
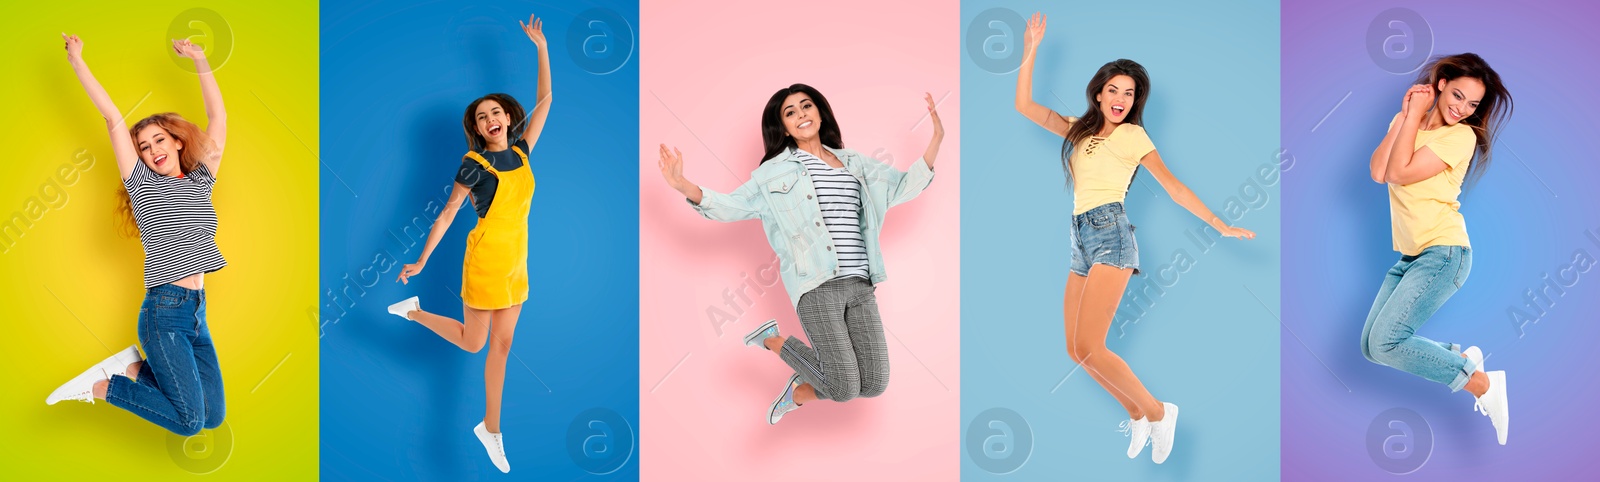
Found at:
<point>1103,235</point>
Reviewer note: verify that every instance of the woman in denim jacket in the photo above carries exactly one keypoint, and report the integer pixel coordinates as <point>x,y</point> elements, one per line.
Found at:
<point>822,208</point>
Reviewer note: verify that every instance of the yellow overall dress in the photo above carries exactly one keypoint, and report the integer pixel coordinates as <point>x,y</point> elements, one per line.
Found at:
<point>494,274</point>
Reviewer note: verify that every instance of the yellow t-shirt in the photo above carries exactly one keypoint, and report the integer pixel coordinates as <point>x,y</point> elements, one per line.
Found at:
<point>1103,166</point>
<point>1427,213</point>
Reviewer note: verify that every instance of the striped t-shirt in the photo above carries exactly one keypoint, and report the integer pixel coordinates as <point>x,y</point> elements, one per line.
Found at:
<point>839,197</point>
<point>177,223</point>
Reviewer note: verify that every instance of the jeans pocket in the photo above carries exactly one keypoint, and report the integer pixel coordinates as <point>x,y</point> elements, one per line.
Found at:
<point>1102,220</point>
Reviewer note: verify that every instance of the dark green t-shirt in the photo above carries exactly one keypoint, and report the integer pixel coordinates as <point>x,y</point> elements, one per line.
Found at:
<point>480,182</point>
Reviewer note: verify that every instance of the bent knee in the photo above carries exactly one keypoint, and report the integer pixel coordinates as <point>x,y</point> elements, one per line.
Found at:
<point>474,343</point>
<point>875,387</point>
<point>1081,352</point>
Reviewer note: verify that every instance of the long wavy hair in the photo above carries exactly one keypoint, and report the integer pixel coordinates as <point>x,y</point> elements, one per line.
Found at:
<point>1092,120</point>
<point>1492,112</point>
<point>469,122</point>
<point>776,139</point>
<point>196,146</point>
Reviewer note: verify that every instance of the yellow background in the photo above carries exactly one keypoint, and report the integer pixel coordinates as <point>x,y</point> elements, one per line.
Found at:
<point>70,287</point>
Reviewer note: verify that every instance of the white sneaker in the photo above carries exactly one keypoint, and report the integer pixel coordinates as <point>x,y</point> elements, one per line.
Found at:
<point>495,445</point>
<point>1476,355</point>
<point>1139,432</point>
<point>761,334</point>
<point>405,307</point>
<point>1493,404</point>
<point>1163,432</point>
<point>81,387</point>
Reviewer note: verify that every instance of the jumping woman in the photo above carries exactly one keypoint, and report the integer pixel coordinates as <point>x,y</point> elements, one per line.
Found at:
<point>1440,139</point>
<point>822,207</point>
<point>1102,151</point>
<point>168,167</point>
<point>494,275</point>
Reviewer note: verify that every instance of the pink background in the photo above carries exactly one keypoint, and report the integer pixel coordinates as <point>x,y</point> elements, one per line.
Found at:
<point>705,74</point>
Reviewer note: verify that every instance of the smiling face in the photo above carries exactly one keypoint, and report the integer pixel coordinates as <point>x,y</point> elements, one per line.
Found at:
<point>1116,98</point>
<point>492,122</point>
<point>1458,98</point>
<point>158,150</point>
<point>800,118</point>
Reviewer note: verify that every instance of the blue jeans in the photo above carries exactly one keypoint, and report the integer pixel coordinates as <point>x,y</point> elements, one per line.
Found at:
<point>1412,291</point>
<point>180,384</point>
<point>1103,235</point>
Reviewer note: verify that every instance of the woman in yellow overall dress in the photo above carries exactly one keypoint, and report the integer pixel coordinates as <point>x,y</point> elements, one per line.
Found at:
<point>494,275</point>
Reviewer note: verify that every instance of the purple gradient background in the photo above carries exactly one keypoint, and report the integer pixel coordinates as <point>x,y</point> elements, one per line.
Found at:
<point>1533,210</point>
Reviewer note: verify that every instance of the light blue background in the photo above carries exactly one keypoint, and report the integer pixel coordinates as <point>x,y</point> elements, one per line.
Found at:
<point>1210,343</point>
<point>398,402</point>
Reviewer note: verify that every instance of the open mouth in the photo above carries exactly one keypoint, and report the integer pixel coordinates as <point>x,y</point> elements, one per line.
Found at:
<point>494,130</point>
<point>1118,110</point>
<point>1454,114</point>
<point>159,159</point>
<point>804,125</point>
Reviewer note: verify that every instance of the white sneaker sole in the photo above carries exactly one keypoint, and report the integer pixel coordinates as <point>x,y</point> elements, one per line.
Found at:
<point>1497,383</point>
<point>405,307</point>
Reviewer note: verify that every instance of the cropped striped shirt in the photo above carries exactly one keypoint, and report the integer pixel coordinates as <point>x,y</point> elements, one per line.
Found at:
<point>177,223</point>
<point>839,197</point>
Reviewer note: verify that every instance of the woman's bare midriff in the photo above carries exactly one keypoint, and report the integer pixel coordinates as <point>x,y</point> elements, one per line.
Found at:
<point>194,281</point>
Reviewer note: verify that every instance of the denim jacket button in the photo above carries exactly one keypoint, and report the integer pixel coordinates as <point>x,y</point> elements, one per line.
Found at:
<point>819,223</point>
<point>830,248</point>
<point>808,196</point>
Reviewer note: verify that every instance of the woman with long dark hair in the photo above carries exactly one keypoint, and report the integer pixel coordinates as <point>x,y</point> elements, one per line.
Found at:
<point>168,167</point>
<point>822,207</point>
<point>494,276</point>
<point>1438,143</point>
<point>1102,151</point>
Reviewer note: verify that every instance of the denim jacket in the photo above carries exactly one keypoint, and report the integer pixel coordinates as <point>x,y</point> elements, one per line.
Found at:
<point>781,195</point>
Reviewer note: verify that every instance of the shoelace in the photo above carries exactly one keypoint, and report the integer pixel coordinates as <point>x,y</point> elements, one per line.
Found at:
<point>1477,404</point>
<point>1126,427</point>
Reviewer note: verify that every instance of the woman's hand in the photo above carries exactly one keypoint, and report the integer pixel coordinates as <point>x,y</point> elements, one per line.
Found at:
<point>1237,232</point>
<point>671,165</point>
<point>74,47</point>
<point>1034,35</point>
<point>188,50</point>
<point>535,30</point>
<point>1418,99</point>
<point>933,114</point>
<point>410,270</point>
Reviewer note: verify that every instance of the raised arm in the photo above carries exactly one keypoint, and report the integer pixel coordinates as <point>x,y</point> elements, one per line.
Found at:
<point>216,115</point>
<point>116,127</point>
<point>1186,198</point>
<point>440,225</point>
<point>541,110</point>
<point>671,165</point>
<point>1034,111</point>
<point>1406,164</point>
<point>938,131</point>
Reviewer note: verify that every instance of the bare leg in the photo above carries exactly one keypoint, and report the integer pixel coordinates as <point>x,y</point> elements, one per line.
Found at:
<point>100,387</point>
<point>494,369</point>
<point>470,336</point>
<point>804,393</point>
<point>1074,299</point>
<point>1102,293</point>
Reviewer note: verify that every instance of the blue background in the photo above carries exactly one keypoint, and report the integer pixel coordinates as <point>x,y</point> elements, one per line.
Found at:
<point>1527,217</point>
<point>398,402</point>
<point>1209,344</point>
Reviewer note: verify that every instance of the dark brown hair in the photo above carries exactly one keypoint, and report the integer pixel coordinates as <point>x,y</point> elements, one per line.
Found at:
<point>469,125</point>
<point>776,139</point>
<point>1092,120</point>
<point>1492,112</point>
